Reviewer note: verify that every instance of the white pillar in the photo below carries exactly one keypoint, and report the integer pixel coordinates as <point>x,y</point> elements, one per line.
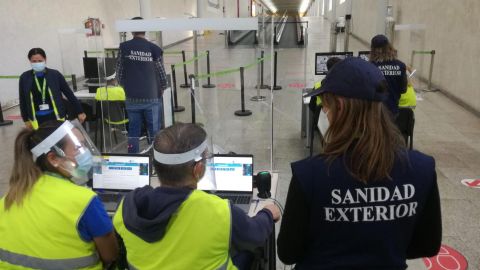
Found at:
<point>146,9</point>
<point>348,7</point>
<point>334,11</point>
<point>381,16</point>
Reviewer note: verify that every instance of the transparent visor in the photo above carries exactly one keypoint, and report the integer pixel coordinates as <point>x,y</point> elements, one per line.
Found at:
<point>76,155</point>
<point>202,153</point>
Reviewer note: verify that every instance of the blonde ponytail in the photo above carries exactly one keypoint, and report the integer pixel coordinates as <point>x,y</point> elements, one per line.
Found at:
<point>25,172</point>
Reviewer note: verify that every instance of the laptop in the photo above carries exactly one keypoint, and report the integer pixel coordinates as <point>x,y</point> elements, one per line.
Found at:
<point>118,175</point>
<point>233,178</point>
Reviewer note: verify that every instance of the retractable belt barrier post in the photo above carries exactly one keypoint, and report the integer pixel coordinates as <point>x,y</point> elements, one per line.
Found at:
<point>4,122</point>
<point>185,85</point>
<point>346,43</point>
<point>242,112</point>
<point>430,71</point>
<point>262,85</point>
<point>176,108</point>
<point>208,84</point>
<point>259,97</point>
<point>74,82</point>
<point>192,96</point>
<point>275,86</point>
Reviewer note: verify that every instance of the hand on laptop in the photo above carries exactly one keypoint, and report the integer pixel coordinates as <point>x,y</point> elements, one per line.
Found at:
<point>274,210</point>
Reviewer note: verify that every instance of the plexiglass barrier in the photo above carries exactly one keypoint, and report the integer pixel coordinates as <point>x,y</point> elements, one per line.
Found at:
<point>217,86</point>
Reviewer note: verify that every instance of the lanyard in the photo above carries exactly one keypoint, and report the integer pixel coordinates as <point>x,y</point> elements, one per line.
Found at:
<point>41,90</point>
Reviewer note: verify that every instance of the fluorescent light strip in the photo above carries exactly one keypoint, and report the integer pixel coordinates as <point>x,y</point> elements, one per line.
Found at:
<point>304,6</point>
<point>269,5</point>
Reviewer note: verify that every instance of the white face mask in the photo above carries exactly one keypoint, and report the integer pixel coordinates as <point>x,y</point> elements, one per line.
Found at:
<point>323,123</point>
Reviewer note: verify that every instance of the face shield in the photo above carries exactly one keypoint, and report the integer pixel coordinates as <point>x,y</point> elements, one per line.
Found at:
<point>201,153</point>
<point>76,152</point>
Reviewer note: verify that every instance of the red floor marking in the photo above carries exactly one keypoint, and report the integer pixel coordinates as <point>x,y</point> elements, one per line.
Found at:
<point>296,85</point>
<point>225,85</point>
<point>473,183</point>
<point>446,259</point>
<point>13,117</point>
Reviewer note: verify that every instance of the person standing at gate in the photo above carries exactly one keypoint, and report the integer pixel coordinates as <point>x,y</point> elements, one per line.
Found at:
<point>40,93</point>
<point>141,73</point>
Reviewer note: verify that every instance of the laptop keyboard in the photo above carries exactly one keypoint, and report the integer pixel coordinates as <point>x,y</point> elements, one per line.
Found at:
<point>110,197</point>
<point>236,199</point>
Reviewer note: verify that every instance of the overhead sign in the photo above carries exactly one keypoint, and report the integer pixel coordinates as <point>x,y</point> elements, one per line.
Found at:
<point>186,24</point>
<point>446,259</point>
<point>473,183</point>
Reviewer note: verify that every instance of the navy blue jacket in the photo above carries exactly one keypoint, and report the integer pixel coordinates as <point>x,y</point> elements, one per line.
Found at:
<point>140,70</point>
<point>56,82</point>
<point>334,221</point>
<point>396,74</point>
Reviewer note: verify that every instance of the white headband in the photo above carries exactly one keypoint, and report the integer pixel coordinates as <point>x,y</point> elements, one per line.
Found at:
<point>175,159</point>
<point>46,145</point>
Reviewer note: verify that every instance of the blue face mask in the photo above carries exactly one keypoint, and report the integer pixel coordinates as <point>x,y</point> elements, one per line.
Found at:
<point>84,164</point>
<point>38,67</point>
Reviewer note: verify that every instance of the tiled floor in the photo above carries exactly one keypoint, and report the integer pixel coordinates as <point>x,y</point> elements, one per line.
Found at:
<point>443,129</point>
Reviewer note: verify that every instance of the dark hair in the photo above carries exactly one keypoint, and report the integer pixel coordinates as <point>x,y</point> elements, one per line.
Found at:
<point>137,33</point>
<point>34,51</point>
<point>179,138</point>
<point>332,61</point>
<point>25,171</point>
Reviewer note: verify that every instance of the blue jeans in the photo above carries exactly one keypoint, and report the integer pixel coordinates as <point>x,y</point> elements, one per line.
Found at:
<point>150,113</point>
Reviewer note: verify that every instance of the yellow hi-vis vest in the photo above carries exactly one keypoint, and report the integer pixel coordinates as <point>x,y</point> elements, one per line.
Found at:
<point>41,233</point>
<point>408,99</point>
<point>110,93</point>
<point>34,121</point>
<point>197,237</point>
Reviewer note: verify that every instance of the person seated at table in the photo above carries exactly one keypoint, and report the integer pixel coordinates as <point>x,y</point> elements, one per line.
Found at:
<point>409,98</point>
<point>315,101</point>
<point>111,92</point>
<point>366,202</point>
<point>175,226</point>
<point>48,220</point>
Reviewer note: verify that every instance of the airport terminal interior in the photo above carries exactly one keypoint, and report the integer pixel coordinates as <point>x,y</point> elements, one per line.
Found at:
<point>282,51</point>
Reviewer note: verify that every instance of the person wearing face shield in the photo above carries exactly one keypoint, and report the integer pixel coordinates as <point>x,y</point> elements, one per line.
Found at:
<point>366,202</point>
<point>175,226</point>
<point>40,93</point>
<point>48,221</point>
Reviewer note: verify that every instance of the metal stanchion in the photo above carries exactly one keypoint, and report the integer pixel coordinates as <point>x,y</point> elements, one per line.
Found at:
<point>259,97</point>
<point>176,108</point>
<point>4,122</point>
<point>192,96</point>
<point>185,85</point>
<point>262,85</point>
<point>346,43</point>
<point>430,71</point>
<point>333,37</point>
<point>208,84</point>
<point>74,82</point>
<point>242,112</point>
<point>275,86</point>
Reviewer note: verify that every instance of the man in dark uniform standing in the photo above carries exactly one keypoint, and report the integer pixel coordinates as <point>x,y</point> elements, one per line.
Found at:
<point>141,73</point>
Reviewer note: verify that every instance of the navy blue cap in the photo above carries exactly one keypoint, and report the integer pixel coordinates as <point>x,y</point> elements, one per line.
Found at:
<point>354,78</point>
<point>379,41</point>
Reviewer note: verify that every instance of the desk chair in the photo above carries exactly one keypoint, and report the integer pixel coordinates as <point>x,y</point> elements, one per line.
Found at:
<point>405,122</point>
<point>110,103</point>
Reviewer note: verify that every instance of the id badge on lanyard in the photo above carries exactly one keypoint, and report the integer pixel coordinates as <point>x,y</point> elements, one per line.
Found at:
<point>44,106</point>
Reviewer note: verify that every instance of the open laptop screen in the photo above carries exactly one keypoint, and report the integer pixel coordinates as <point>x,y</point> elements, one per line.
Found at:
<point>122,172</point>
<point>232,173</point>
